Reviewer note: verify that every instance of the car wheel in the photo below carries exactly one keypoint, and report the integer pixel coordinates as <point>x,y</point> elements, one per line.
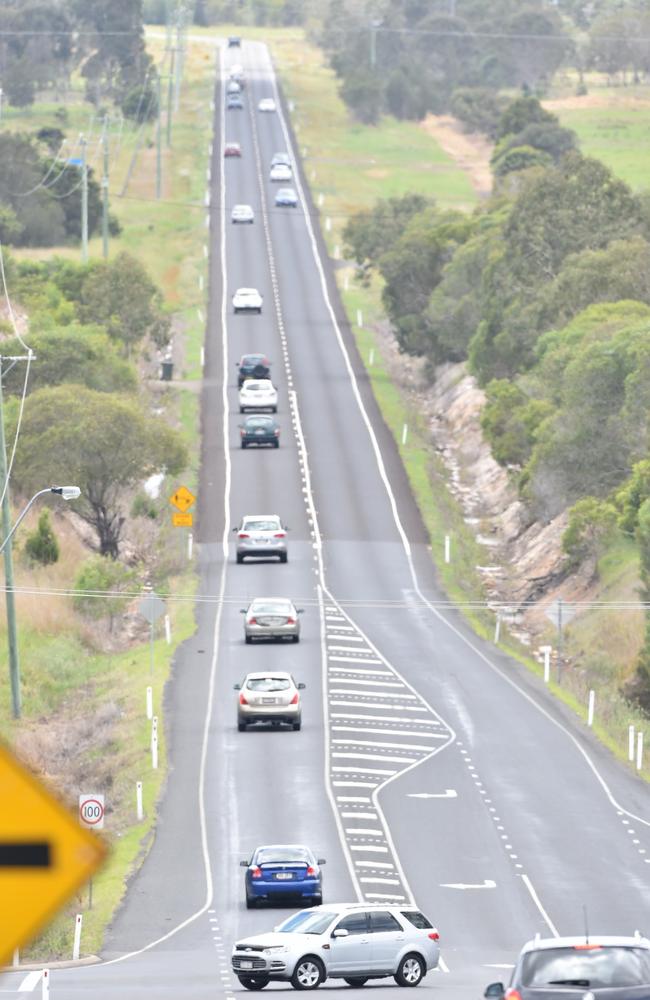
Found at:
<point>283,557</point>
<point>308,974</point>
<point>274,409</point>
<point>240,558</point>
<point>410,970</point>
<point>253,982</point>
<point>318,901</point>
<point>295,638</point>
<point>296,728</point>
<point>276,444</point>
<point>357,981</point>
<point>249,639</point>
<point>241,728</point>
<point>259,312</point>
<point>241,409</point>
<point>251,903</point>
<point>243,444</point>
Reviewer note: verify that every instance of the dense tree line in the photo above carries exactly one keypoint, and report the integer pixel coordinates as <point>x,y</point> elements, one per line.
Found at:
<point>545,292</point>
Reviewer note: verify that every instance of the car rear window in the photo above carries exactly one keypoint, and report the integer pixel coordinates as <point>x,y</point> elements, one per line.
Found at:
<point>268,684</point>
<point>417,919</point>
<point>267,608</point>
<point>282,855</point>
<point>261,525</point>
<point>589,967</point>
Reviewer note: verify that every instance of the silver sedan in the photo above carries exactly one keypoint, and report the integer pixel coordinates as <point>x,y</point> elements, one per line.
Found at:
<point>269,697</point>
<point>271,618</point>
<point>261,535</point>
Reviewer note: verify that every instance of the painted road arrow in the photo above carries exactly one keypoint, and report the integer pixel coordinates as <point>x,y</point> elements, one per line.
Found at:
<point>448,793</point>
<point>487,884</point>
<point>45,857</point>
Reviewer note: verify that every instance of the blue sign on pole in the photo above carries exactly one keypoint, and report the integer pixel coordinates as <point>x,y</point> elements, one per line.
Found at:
<point>76,161</point>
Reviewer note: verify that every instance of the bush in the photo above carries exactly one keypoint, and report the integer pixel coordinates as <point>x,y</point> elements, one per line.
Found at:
<point>143,506</point>
<point>591,523</point>
<point>41,546</point>
<point>101,588</point>
<point>479,109</point>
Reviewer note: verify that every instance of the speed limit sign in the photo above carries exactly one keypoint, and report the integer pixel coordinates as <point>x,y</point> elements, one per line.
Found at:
<point>91,811</point>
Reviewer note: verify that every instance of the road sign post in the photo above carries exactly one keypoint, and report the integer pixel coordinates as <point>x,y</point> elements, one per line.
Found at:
<point>151,607</point>
<point>91,816</point>
<point>45,857</point>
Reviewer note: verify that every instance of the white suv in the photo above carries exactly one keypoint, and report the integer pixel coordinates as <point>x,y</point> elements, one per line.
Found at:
<point>350,941</point>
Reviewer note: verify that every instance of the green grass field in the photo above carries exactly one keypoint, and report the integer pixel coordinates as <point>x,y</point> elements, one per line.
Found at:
<point>618,134</point>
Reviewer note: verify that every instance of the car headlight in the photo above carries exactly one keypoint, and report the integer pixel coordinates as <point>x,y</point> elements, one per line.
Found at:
<point>276,949</point>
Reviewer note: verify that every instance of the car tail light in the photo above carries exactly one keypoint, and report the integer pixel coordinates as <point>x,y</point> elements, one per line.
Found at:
<point>242,432</point>
<point>434,935</point>
<point>277,432</point>
<point>243,534</point>
<point>513,995</point>
<point>252,621</point>
<point>294,700</point>
<point>256,873</point>
<point>242,700</point>
<point>586,947</point>
<point>310,871</point>
<point>279,534</point>
<point>291,621</point>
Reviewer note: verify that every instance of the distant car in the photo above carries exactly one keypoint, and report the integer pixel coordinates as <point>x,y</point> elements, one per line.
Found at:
<point>572,968</point>
<point>232,149</point>
<point>242,213</point>
<point>283,871</point>
<point>260,430</point>
<point>350,941</point>
<point>270,696</point>
<point>247,300</point>
<point>286,198</point>
<point>234,102</point>
<point>237,73</point>
<point>271,618</point>
<point>252,366</point>
<point>281,158</point>
<point>233,87</point>
<point>258,394</point>
<point>266,104</point>
<point>261,535</point>
<point>281,172</point>
<point>234,42</point>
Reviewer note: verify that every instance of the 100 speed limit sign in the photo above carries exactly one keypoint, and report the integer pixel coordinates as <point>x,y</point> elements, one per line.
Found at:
<point>91,811</point>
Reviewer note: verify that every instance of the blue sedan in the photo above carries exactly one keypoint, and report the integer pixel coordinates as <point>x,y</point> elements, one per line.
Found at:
<point>283,871</point>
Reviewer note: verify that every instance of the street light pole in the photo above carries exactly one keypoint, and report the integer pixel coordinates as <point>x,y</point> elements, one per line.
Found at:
<point>159,138</point>
<point>105,190</point>
<point>12,633</point>
<point>84,201</point>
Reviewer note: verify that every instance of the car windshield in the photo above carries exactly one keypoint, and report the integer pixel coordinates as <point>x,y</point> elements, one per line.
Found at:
<point>282,855</point>
<point>259,422</point>
<point>270,608</point>
<point>590,967</point>
<point>268,684</point>
<point>307,923</point>
<point>260,525</point>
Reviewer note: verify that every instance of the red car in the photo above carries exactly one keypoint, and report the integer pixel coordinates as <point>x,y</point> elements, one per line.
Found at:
<point>232,149</point>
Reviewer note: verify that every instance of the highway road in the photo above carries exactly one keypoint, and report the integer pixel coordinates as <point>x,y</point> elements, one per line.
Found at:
<point>430,767</point>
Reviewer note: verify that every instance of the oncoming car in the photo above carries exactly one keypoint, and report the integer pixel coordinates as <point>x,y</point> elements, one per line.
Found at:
<point>261,535</point>
<point>283,871</point>
<point>269,697</point>
<point>271,618</point>
<point>350,941</point>
<point>247,300</point>
<point>572,968</point>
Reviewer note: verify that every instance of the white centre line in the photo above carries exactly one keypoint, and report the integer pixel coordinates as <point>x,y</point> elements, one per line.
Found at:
<point>362,670</point>
<point>369,849</point>
<point>385,705</point>
<point>354,659</point>
<point>379,881</point>
<point>388,718</point>
<point>378,684</point>
<point>388,746</point>
<point>387,732</point>
<point>364,770</point>
<point>374,864</point>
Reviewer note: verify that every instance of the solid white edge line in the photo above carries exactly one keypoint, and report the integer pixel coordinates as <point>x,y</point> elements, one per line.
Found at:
<point>538,903</point>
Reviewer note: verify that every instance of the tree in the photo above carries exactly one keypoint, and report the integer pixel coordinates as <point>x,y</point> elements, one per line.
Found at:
<point>642,690</point>
<point>104,443</point>
<point>510,420</point>
<point>520,158</point>
<point>41,545</point>
<point>632,495</point>
<point>103,589</point>
<point>371,233</point>
<point>590,527</point>
<point>521,113</point>
<point>73,354</point>
<point>479,108</point>
<point>120,296</point>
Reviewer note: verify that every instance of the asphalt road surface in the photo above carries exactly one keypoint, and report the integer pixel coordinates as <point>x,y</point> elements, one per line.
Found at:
<point>429,767</point>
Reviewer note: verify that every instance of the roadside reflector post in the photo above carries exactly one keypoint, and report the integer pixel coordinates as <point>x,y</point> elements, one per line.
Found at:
<point>371,356</point>
<point>337,251</point>
<point>590,710</point>
<point>346,282</point>
<point>154,753</point>
<point>359,318</point>
<point>138,800</point>
<point>168,630</point>
<point>190,545</point>
<point>639,751</point>
<point>546,650</point>
<point>202,357</point>
<point>630,743</point>
<point>328,224</point>
<point>16,958</point>
<point>497,630</point>
<point>45,984</point>
<point>447,549</point>
<point>405,434</point>
<point>321,199</point>
<point>76,947</point>
<point>150,703</point>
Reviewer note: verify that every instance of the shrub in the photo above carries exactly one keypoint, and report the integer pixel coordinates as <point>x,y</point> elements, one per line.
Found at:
<point>591,523</point>
<point>42,546</point>
<point>102,588</point>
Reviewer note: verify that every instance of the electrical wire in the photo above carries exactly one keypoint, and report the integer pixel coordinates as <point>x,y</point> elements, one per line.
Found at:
<point>41,183</point>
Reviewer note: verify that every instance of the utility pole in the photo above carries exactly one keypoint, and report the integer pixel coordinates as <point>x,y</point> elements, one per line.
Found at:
<point>105,190</point>
<point>12,634</point>
<point>559,640</point>
<point>84,201</point>
<point>170,95</point>
<point>373,46</point>
<point>179,56</point>
<point>159,138</point>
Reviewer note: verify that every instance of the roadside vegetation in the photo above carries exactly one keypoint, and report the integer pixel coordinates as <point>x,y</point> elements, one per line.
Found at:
<point>97,415</point>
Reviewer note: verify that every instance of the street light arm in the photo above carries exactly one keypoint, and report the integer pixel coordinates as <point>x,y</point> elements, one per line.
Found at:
<point>67,492</point>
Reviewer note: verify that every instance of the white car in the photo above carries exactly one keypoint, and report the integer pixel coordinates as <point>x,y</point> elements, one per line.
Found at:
<point>280,172</point>
<point>247,300</point>
<point>281,158</point>
<point>269,697</point>
<point>271,618</point>
<point>242,213</point>
<point>258,394</point>
<point>261,535</point>
<point>350,941</point>
<point>266,104</point>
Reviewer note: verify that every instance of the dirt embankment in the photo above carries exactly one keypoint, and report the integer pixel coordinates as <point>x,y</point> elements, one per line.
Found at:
<point>470,150</point>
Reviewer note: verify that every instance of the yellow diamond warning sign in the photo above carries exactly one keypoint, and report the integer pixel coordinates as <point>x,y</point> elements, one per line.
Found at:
<point>182,499</point>
<point>45,856</point>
